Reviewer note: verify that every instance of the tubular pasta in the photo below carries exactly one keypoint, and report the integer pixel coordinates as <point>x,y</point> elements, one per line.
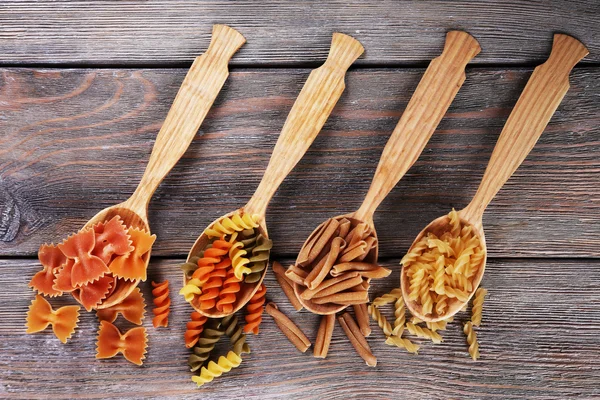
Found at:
<point>132,308</point>
<point>63,320</point>
<point>132,344</point>
<point>357,339</point>
<point>286,285</point>
<point>324,336</point>
<point>362,318</point>
<point>51,259</point>
<point>293,333</point>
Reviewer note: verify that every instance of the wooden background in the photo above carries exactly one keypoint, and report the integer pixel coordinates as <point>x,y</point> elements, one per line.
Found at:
<point>84,88</point>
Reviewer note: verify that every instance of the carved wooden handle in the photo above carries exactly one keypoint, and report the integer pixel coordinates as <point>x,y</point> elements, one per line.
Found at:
<point>543,93</point>
<point>430,101</point>
<point>198,91</point>
<point>319,95</point>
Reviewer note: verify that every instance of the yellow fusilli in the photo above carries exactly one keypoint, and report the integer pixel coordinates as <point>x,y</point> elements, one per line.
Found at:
<point>476,312</point>
<point>216,369</point>
<point>228,225</point>
<point>424,333</point>
<point>471,340</point>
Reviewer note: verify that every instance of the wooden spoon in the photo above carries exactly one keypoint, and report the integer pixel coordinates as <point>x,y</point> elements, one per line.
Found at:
<point>319,95</point>
<point>438,87</point>
<point>198,91</point>
<point>540,98</point>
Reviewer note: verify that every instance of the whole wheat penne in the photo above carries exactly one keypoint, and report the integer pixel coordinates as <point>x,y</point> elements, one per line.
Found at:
<point>309,293</point>
<point>324,238</point>
<point>286,285</point>
<point>320,272</point>
<point>351,253</point>
<point>343,298</point>
<point>324,336</point>
<point>353,336</point>
<point>305,251</point>
<point>339,287</point>
<point>362,318</point>
<point>280,317</point>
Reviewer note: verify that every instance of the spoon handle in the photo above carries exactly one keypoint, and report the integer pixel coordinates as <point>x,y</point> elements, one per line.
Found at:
<point>198,91</point>
<point>543,93</point>
<point>428,104</point>
<point>319,95</point>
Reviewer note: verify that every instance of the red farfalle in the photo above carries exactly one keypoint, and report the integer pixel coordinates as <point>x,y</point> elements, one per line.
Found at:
<point>63,277</point>
<point>111,239</point>
<point>63,320</point>
<point>51,259</point>
<point>132,309</point>
<point>93,293</point>
<point>111,342</point>
<point>87,267</point>
<point>132,266</point>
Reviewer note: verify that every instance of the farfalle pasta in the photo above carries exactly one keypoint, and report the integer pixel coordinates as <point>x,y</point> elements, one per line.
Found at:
<point>132,308</point>
<point>51,259</point>
<point>441,267</point>
<point>132,265</point>
<point>132,344</point>
<point>63,320</point>
<point>86,266</point>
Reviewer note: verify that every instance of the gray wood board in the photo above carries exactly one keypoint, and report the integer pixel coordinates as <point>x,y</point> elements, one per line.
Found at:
<point>286,32</point>
<point>75,141</point>
<point>538,341</point>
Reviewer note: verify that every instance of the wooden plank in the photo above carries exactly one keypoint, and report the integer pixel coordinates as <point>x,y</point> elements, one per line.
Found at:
<point>164,31</point>
<point>76,141</point>
<point>538,340</point>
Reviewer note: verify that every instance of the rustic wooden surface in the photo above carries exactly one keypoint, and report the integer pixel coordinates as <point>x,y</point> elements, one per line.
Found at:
<point>85,86</point>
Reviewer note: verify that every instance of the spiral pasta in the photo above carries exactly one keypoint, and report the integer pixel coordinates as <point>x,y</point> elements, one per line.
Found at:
<point>424,333</point>
<point>400,314</point>
<point>259,257</point>
<point>381,320</point>
<point>162,304</point>
<point>194,328</point>
<point>228,293</point>
<point>440,268</point>
<point>205,344</point>
<point>212,287</point>
<point>236,223</point>
<point>255,310</point>
<point>471,340</point>
<point>387,298</point>
<point>239,262</point>
<point>216,369</point>
<point>233,330</point>
<point>477,309</point>
<point>402,343</point>
<point>190,266</point>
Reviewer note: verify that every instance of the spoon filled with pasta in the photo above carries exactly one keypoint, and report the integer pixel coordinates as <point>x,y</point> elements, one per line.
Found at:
<point>229,260</point>
<point>339,258</point>
<point>445,264</point>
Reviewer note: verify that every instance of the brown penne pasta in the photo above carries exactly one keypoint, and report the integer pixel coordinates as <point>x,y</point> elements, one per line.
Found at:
<point>287,326</point>
<point>309,293</point>
<point>362,318</point>
<point>351,266</point>
<point>296,274</point>
<point>376,273</point>
<point>345,225</point>
<point>286,285</point>
<point>371,244</point>
<point>357,339</point>
<point>353,252</point>
<point>343,298</point>
<point>339,287</point>
<point>323,240</point>
<point>320,272</point>
<point>305,251</point>
<point>324,336</point>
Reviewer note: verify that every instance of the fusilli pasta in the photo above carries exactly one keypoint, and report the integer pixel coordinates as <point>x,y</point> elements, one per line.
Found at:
<point>216,369</point>
<point>255,309</point>
<point>162,304</point>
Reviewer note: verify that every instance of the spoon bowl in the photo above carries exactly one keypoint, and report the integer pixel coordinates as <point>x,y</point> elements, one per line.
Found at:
<point>539,100</point>
<point>311,109</point>
<point>428,104</point>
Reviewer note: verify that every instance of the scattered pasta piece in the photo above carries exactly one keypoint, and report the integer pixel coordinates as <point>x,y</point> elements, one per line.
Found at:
<point>255,310</point>
<point>132,266</point>
<point>132,308</point>
<point>381,320</point>
<point>92,294</point>
<point>51,259</point>
<point>477,309</point>
<point>206,343</point>
<point>236,335</point>
<point>357,339</point>
<point>402,343</point>
<point>424,333</point>
<point>87,267</point>
<point>471,340</point>
<point>213,370</point>
<point>194,328</point>
<point>111,239</point>
<point>400,315</point>
<point>63,320</point>
<point>111,342</point>
<point>286,285</point>
<point>361,313</point>
<point>387,298</point>
<point>162,304</point>
<point>291,330</point>
<point>324,336</point>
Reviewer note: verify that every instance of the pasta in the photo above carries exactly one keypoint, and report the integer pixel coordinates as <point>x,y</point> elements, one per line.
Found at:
<point>291,330</point>
<point>255,310</point>
<point>362,318</point>
<point>205,344</point>
<point>213,370</point>
<point>132,308</point>
<point>234,331</point>
<point>63,320</point>
<point>228,293</point>
<point>259,258</point>
<point>194,328</point>
<point>86,267</point>
<point>471,340</point>
<point>286,285</point>
<point>239,262</point>
<point>400,314</point>
<point>111,239</point>
<point>51,259</point>
<point>381,320</point>
<point>441,267</point>
<point>424,333</point>
<point>402,343</point>
<point>476,312</point>
<point>92,294</point>
<point>190,266</point>
<point>387,298</point>
<point>63,282</point>
<point>324,336</point>
<point>357,339</point>
<point>238,222</point>
<point>162,304</point>
<point>111,342</point>
<point>132,266</point>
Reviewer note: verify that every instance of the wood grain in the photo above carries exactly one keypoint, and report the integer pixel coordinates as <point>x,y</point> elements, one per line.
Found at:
<point>65,130</point>
<point>283,32</point>
<point>538,341</point>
